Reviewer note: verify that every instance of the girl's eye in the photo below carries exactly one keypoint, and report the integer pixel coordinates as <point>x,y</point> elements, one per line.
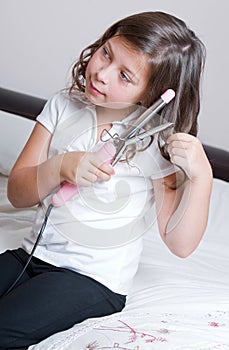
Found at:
<point>105,52</point>
<point>125,77</point>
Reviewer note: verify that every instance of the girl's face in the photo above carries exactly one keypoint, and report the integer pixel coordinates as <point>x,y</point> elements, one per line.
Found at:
<point>117,74</point>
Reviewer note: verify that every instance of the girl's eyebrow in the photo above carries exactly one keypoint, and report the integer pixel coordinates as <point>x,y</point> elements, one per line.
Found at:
<point>133,75</point>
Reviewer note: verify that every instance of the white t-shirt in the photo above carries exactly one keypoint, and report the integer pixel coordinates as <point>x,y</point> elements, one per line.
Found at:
<point>99,231</point>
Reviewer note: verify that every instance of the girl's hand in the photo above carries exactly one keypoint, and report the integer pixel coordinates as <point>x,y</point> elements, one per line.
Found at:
<point>187,152</point>
<point>83,168</point>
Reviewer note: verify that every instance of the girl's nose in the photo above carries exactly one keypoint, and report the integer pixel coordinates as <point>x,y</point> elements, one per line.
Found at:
<point>103,74</point>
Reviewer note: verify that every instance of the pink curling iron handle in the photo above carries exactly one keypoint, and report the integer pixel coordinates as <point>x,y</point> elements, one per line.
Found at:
<point>68,190</point>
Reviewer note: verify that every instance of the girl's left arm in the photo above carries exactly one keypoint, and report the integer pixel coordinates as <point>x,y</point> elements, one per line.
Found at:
<point>183,213</point>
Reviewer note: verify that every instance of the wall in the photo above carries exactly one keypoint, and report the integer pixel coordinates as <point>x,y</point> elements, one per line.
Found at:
<point>41,39</point>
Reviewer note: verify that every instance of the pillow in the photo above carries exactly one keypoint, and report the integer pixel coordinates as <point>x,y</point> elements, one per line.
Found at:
<point>14,132</point>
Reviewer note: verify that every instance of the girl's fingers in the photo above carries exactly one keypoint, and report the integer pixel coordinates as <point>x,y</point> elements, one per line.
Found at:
<point>102,175</point>
<point>179,144</point>
<point>187,152</point>
<point>181,152</point>
<point>91,169</point>
<point>102,166</point>
<point>181,136</point>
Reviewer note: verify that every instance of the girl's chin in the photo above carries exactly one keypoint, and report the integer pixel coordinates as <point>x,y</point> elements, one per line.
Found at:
<point>100,102</point>
<point>93,98</point>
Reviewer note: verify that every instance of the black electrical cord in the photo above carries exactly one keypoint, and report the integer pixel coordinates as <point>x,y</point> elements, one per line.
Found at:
<point>48,211</point>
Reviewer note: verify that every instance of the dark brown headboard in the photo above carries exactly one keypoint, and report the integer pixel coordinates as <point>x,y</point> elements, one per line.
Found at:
<point>22,104</point>
<point>29,107</point>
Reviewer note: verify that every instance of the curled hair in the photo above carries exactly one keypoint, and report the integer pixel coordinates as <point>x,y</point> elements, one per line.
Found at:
<point>177,58</point>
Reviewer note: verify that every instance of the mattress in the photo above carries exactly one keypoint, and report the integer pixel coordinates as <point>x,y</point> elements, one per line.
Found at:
<point>174,303</point>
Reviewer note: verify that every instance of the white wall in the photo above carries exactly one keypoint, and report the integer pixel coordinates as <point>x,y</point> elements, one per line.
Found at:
<point>41,39</point>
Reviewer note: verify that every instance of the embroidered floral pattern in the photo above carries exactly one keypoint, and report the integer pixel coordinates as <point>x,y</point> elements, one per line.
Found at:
<point>146,331</point>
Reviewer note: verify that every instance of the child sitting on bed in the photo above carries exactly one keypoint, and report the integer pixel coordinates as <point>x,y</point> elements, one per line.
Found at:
<point>89,252</point>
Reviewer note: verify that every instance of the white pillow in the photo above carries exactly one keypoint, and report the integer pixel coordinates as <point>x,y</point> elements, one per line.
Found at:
<point>14,132</point>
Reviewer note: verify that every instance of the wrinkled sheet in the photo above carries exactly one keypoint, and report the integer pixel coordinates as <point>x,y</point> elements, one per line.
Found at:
<point>174,304</point>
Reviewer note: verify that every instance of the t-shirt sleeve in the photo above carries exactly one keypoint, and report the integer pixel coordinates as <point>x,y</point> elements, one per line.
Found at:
<point>166,168</point>
<point>52,111</point>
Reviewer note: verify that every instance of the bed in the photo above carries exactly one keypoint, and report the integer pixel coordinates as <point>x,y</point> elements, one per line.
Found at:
<point>174,303</point>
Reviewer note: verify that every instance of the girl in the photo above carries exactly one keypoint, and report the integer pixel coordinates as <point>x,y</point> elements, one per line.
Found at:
<point>89,252</point>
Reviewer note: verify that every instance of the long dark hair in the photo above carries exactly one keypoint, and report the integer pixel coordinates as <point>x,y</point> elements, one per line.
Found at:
<point>177,59</point>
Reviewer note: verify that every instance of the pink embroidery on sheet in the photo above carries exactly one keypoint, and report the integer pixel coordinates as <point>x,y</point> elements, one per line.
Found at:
<point>133,334</point>
<point>213,324</point>
<point>216,324</point>
<point>115,346</point>
<point>92,346</point>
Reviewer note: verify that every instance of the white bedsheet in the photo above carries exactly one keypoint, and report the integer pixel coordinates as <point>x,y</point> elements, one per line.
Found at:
<point>174,303</point>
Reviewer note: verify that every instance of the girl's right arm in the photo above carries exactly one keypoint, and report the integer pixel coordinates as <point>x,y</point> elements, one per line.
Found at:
<point>34,175</point>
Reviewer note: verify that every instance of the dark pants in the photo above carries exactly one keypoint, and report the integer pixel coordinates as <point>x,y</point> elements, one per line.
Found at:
<point>46,300</point>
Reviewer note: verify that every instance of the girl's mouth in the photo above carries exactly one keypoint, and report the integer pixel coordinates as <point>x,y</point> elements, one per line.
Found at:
<point>94,90</point>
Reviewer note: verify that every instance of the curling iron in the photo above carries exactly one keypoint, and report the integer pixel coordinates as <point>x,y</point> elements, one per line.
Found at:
<point>112,151</point>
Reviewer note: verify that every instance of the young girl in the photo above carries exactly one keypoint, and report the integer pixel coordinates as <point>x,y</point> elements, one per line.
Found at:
<point>89,252</point>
